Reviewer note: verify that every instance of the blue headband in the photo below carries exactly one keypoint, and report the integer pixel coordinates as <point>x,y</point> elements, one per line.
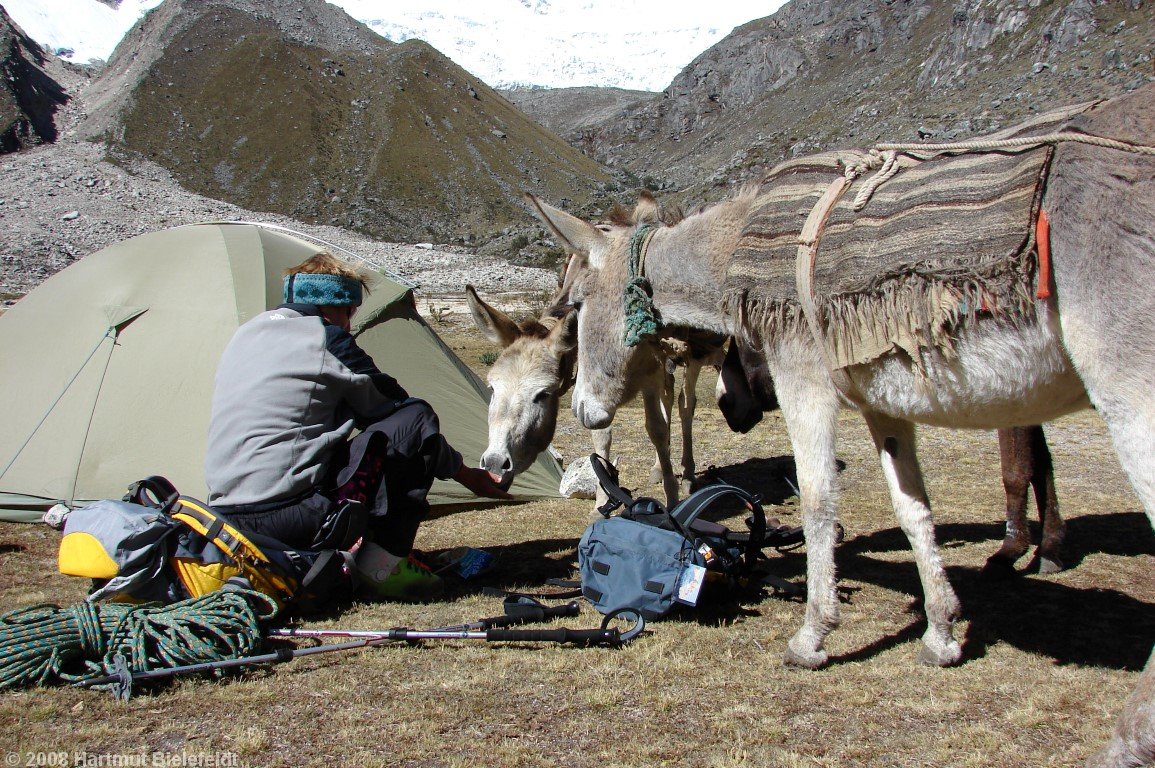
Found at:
<point>322,290</point>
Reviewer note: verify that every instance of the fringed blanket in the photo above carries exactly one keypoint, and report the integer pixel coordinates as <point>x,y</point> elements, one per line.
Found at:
<point>948,237</point>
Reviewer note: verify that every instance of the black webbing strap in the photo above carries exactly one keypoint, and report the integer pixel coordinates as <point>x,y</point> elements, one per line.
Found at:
<point>688,510</point>
<point>607,475</point>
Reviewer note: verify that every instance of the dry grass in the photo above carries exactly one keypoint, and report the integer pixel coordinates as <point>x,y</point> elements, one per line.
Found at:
<point>1048,660</point>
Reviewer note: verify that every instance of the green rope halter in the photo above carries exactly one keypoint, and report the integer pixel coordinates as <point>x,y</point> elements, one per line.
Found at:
<point>641,320</point>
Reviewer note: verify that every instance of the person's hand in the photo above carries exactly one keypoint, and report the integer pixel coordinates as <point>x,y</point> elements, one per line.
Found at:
<point>481,482</point>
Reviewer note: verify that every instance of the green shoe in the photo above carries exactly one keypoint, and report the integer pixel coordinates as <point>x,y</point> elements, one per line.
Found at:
<point>411,581</point>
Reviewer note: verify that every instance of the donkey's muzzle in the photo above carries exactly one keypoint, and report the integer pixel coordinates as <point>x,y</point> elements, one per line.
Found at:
<point>591,416</point>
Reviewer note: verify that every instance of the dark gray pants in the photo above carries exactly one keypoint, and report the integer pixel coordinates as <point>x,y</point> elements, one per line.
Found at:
<point>388,468</point>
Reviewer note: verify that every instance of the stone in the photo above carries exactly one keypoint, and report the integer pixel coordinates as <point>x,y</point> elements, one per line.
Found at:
<point>579,481</point>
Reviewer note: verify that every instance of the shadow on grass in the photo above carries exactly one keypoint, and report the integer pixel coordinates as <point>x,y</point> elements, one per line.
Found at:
<point>1123,533</point>
<point>774,479</point>
<point>1072,625</point>
<point>522,565</point>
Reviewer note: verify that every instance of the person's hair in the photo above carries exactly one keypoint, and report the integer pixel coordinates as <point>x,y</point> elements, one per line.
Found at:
<point>325,263</point>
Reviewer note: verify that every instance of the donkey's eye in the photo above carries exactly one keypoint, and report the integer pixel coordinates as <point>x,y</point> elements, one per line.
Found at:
<point>542,396</point>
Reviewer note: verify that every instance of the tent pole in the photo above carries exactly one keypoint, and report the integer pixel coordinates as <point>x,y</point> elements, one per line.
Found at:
<point>56,402</point>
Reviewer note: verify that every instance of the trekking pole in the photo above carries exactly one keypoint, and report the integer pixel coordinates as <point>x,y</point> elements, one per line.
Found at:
<point>519,609</point>
<point>605,636</point>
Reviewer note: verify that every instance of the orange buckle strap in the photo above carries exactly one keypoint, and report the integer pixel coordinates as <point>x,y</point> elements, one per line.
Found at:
<point>1043,246</point>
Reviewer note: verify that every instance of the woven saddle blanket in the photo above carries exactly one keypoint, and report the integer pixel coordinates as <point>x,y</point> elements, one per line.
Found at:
<point>948,237</point>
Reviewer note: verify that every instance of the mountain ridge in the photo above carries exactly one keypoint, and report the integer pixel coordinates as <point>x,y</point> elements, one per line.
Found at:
<point>822,74</point>
<point>293,106</point>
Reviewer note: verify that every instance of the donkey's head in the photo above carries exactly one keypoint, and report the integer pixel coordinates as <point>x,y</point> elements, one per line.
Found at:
<point>527,380</point>
<point>608,372</point>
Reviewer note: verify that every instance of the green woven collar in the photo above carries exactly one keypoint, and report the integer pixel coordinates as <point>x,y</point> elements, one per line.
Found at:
<point>641,318</point>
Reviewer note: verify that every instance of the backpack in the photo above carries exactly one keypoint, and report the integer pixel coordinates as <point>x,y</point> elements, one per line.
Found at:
<point>155,545</point>
<point>652,559</point>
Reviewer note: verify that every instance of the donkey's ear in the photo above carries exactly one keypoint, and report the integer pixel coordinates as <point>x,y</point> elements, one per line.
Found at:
<point>575,269</point>
<point>578,236</point>
<point>564,336</point>
<point>646,211</point>
<point>494,324</point>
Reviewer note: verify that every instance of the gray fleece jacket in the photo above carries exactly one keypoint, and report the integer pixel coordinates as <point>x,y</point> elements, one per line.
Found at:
<point>289,389</point>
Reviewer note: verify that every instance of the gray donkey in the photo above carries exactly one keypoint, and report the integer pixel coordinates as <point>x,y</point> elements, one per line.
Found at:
<point>950,346</point>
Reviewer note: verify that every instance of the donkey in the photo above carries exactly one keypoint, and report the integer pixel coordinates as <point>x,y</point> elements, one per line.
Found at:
<point>1091,341</point>
<point>1023,454</point>
<point>536,367</point>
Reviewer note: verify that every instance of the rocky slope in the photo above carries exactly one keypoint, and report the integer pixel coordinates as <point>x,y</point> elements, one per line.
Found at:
<point>59,202</point>
<point>826,73</point>
<point>566,111</point>
<point>30,94</point>
<point>293,107</point>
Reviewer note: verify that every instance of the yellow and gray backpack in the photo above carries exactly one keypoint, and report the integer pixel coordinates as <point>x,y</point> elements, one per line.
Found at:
<point>156,545</point>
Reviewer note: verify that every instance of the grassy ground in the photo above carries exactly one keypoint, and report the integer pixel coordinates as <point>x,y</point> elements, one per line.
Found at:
<point>1048,659</point>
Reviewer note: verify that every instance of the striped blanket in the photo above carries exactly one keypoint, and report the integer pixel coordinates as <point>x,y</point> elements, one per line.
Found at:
<point>946,238</point>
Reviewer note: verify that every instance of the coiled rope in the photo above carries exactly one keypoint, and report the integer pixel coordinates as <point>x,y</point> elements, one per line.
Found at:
<point>45,644</point>
<point>884,157</point>
<point>641,319</point>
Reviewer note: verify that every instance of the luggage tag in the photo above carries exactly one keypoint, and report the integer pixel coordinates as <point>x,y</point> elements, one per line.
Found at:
<point>690,584</point>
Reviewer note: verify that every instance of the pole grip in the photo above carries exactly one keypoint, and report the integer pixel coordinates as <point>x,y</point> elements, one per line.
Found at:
<point>562,611</point>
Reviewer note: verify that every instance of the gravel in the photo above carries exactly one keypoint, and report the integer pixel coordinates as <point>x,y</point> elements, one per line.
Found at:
<point>60,202</point>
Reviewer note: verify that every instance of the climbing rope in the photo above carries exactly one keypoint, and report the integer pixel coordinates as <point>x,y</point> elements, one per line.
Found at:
<point>884,157</point>
<point>44,644</point>
<point>641,320</point>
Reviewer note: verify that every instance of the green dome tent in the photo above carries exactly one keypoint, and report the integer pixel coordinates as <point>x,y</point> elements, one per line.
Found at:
<point>106,369</point>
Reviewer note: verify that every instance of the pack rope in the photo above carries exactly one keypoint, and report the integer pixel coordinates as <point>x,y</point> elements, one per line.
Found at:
<point>45,644</point>
<point>641,320</point>
<point>884,157</point>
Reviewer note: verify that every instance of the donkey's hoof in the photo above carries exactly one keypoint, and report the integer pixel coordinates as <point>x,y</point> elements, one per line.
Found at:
<point>794,660</point>
<point>943,657</point>
<point>998,567</point>
<point>1050,565</point>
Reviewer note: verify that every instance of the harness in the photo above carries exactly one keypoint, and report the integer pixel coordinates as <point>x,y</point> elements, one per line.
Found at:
<point>884,160</point>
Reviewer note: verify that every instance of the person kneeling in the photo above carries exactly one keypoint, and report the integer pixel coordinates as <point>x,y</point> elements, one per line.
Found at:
<point>291,388</point>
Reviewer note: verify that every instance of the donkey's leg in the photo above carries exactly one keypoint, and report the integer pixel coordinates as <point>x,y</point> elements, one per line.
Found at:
<point>894,440</point>
<point>687,404</point>
<point>658,428</point>
<point>1047,502</point>
<point>602,440</point>
<point>1131,744</point>
<point>810,407</point>
<point>1016,459</point>
<point>666,386</point>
